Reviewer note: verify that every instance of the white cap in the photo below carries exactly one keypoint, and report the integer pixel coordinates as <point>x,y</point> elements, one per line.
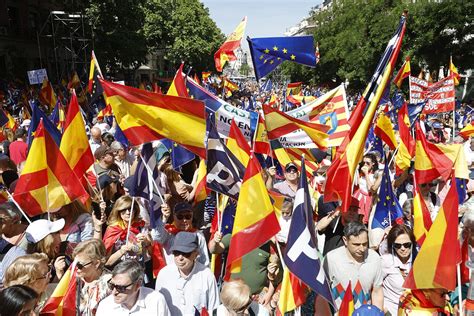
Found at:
<point>41,228</point>
<point>25,123</point>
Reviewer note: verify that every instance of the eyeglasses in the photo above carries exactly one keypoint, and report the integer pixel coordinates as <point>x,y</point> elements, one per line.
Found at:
<point>184,216</point>
<point>184,254</point>
<point>124,210</point>
<point>81,266</point>
<point>46,275</point>
<point>119,288</point>
<point>405,245</point>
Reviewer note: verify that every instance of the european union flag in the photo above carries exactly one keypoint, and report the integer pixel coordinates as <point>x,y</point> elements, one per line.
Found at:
<point>388,209</point>
<point>179,155</point>
<point>374,142</point>
<point>269,52</point>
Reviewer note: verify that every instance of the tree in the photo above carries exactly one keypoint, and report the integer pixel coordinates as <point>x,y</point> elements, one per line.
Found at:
<point>352,37</point>
<point>184,30</point>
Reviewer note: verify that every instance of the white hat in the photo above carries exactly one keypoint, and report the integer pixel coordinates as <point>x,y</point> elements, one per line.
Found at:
<point>25,123</point>
<point>41,228</point>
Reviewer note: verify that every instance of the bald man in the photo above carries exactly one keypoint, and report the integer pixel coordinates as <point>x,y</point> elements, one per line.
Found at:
<point>96,139</point>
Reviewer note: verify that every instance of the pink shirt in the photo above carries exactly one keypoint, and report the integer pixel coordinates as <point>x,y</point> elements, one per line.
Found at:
<point>18,151</point>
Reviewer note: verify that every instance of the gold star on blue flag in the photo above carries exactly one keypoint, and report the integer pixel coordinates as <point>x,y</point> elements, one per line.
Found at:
<point>298,49</point>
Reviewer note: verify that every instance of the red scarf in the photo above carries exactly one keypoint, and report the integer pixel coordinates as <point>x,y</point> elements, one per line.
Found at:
<point>173,230</point>
<point>118,232</point>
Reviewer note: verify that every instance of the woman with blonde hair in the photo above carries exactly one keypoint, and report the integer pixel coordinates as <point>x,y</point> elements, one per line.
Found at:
<point>90,257</point>
<point>236,300</point>
<point>115,237</point>
<point>32,271</point>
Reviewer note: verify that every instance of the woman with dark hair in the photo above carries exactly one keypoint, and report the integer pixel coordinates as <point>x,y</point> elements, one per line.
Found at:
<point>396,264</point>
<point>18,300</point>
<point>368,182</point>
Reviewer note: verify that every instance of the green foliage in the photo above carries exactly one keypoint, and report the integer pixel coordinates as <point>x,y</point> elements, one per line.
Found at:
<point>352,36</point>
<point>117,30</point>
<point>185,30</point>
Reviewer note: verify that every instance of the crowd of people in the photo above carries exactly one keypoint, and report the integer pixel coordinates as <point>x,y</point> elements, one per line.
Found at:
<point>126,264</point>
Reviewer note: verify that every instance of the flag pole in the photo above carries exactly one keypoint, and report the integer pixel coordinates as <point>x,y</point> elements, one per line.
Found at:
<point>219,217</point>
<point>458,275</point>
<point>130,220</point>
<point>17,205</point>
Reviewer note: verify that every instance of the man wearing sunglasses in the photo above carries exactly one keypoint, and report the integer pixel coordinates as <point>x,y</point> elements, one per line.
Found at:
<point>187,285</point>
<point>182,222</point>
<point>128,297</point>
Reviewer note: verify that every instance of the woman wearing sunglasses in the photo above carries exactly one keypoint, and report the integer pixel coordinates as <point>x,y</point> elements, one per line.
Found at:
<point>90,261</point>
<point>32,271</point>
<point>115,237</point>
<point>396,264</point>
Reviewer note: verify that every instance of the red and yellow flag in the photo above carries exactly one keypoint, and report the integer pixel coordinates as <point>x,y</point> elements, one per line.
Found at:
<point>384,130</point>
<point>279,124</point>
<point>74,143</point>
<point>453,71</point>
<point>294,88</point>
<point>205,76</point>
<point>435,264</point>
<point>347,303</point>
<point>340,174</point>
<point>144,116</point>
<point>11,124</point>
<point>74,82</point>
<point>261,144</point>
<point>293,292</point>
<point>467,131</point>
<point>178,86</point>
<point>238,145</point>
<point>47,95</point>
<point>403,73</point>
<point>406,148</point>
<point>438,160</point>
<point>229,87</point>
<point>255,220</point>
<point>63,300</point>
<point>201,189</point>
<point>94,73</point>
<point>421,216</point>
<point>46,182</point>
<point>226,52</point>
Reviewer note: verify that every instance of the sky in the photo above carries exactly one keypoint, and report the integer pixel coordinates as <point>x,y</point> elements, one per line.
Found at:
<point>265,18</point>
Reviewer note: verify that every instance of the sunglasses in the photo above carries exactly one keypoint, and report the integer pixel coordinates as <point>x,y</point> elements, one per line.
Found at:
<point>81,266</point>
<point>184,216</point>
<point>124,210</point>
<point>119,288</point>
<point>405,245</point>
<point>428,185</point>
<point>184,254</point>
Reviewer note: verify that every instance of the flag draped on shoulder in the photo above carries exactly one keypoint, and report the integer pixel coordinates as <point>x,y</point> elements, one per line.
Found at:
<point>145,116</point>
<point>340,174</point>
<point>269,52</point>
<point>46,182</point>
<point>435,265</point>
<point>403,73</point>
<point>301,256</point>
<point>224,170</point>
<point>226,52</point>
<point>255,219</point>
<point>74,143</point>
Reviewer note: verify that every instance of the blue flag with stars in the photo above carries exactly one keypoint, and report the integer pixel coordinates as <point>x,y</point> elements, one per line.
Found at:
<point>388,209</point>
<point>269,52</point>
<point>374,142</point>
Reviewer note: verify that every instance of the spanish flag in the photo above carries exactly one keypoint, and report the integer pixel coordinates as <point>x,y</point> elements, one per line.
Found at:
<point>94,74</point>
<point>438,160</point>
<point>46,182</point>
<point>47,95</point>
<point>261,144</point>
<point>421,216</point>
<point>74,82</point>
<point>229,87</point>
<point>279,124</point>
<point>406,148</point>
<point>144,116</point>
<point>63,300</point>
<point>435,264</point>
<point>340,174</point>
<point>293,292</point>
<point>201,189</point>
<point>453,71</point>
<point>74,143</point>
<point>255,219</point>
<point>384,130</point>
<point>238,145</point>
<point>467,131</point>
<point>178,85</point>
<point>226,51</point>
<point>347,303</point>
<point>11,124</point>
<point>403,73</point>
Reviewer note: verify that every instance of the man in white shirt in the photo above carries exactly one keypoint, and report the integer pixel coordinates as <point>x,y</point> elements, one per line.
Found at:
<point>187,285</point>
<point>128,297</point>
